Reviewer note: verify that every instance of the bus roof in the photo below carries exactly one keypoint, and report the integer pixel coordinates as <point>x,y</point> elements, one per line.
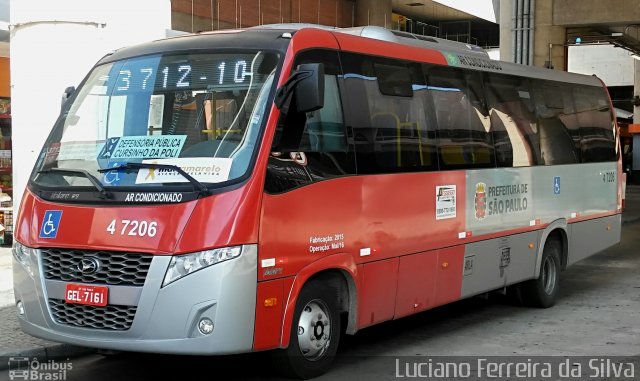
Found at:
<point>270,37</point>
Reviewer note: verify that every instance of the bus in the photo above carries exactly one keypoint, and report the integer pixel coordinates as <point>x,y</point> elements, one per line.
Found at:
<point>274,187</point>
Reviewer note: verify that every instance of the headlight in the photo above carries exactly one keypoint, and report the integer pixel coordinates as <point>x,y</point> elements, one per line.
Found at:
<point>24,255</point>
<point>183,265</point>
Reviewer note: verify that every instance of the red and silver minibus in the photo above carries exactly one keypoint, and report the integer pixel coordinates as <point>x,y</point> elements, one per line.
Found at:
<point>270,188</point>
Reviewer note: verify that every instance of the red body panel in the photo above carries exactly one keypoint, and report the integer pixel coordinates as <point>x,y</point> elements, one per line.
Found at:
<point>226,219</point>
<point>269,319</point>
<point>376,212</point>
<point>86,226</point>
<point>449,278</point>
<point>221,220</point>
<point>416,283</point>
<point>378,292</point>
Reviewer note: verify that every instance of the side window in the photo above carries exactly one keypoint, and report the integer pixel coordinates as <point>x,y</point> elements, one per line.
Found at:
<point>513,121</point>
<point>464,138</point>
<point>558,124</point>
<point>312,146</point>
<point>596,125</point>
<point>385,108</point>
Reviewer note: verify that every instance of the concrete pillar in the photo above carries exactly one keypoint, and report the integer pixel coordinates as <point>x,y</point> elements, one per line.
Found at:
<point>549,43</point>
<point>53,45</point>
<point>506,28</point>
<point>635,162</point>
<point>373,12</point>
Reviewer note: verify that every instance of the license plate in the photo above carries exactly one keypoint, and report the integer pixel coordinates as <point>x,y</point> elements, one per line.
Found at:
<point>85,294</point>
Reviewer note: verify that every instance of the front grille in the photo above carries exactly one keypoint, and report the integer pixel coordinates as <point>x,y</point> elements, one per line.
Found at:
<point>115,268</point>
<point>115,318</point>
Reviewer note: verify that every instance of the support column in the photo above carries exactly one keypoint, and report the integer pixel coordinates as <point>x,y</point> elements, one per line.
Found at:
<point>373,12</point>
<point>517,25</point>
<point>507,23</point>
<point>635,162</point>
<point>53,45</point>
<point>549,44</point>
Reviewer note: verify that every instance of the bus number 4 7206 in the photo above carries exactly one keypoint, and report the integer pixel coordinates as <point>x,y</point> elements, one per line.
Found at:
<point>134,228</point>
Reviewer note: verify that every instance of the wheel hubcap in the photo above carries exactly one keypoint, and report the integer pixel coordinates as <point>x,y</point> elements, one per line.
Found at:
<point>549,275</point>
<point>314,330</point>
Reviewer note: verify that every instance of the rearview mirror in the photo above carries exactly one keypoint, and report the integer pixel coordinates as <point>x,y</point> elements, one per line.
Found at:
<point>307,85</point>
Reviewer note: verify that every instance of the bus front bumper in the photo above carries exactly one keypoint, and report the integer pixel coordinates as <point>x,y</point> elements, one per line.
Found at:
<point>159,319</point>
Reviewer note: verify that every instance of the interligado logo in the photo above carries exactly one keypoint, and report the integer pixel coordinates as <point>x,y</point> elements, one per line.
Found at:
<point>25,368</point>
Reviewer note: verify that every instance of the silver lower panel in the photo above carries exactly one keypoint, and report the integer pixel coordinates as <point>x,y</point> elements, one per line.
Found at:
<point>166,318</point>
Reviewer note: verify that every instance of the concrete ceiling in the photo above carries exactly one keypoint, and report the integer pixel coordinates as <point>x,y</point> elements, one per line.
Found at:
<point>428,10</point>
<point>600,22</point>
<point>622,36</point>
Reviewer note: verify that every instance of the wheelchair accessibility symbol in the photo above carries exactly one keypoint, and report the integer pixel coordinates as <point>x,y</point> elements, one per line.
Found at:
<point>112,177</point>
<point>50,223</point>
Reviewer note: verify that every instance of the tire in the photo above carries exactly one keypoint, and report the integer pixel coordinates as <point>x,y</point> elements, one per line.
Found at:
<point>542,292</point>
<point>314,335</point>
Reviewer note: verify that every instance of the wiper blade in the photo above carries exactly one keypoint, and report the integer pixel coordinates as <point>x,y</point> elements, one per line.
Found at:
<point>197,185</point>
<point>81,172</point>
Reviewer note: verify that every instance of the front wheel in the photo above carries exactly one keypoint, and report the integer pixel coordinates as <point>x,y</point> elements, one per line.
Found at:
<point>315,334</point>
<point>542,292</point>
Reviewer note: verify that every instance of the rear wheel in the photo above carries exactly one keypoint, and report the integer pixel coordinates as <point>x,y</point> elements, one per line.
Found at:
<point>542,292</point>
<point>315,334</point>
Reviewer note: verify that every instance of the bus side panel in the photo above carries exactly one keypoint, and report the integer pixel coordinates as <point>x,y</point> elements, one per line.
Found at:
<point>590,237</point>
<point>430,279</point>
<point>499,262</point>
<point>269,314</point>
<point>529,197</point>
<point>370,217</point>
<point>378,291</point>
<point>416,283</point>
<point>449,278</point>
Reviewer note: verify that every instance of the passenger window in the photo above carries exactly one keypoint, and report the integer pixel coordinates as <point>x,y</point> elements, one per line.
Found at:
<point>513,121</point>
<point>312,146</point>
<point>464,139</point>
<point>384,104</point>
<point>593,113</point>
<point>394,80</point>
<point>559,128</point>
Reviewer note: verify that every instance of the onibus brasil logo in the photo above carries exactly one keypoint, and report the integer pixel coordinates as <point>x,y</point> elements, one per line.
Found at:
<point>25,368</point>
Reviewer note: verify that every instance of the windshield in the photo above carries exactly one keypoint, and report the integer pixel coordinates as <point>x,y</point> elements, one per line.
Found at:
<point>198,112</point>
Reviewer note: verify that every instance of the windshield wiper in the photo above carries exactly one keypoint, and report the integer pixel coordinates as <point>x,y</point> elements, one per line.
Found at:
<point>81,172</point>
<point>197,185</point>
